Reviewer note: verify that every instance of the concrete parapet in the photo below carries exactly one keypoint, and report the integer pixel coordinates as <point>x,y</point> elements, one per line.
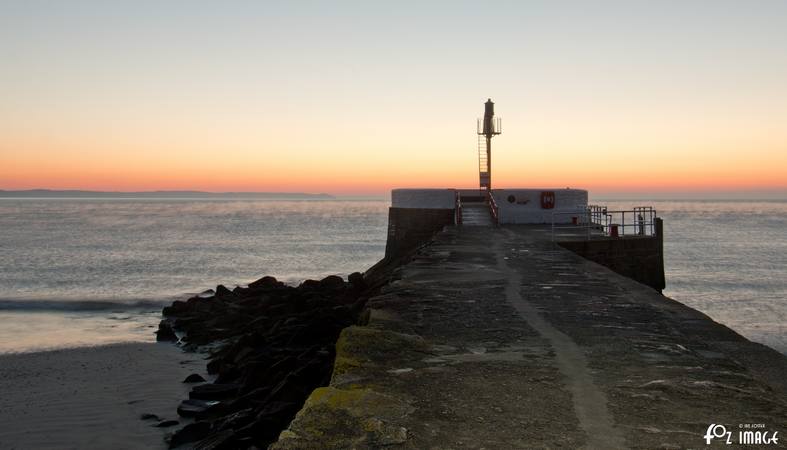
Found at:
<point>423,198</point>
<point>409,228</point>
<point>640,258</point>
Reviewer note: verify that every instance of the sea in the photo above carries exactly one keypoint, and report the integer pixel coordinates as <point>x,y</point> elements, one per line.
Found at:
<point>78,272</point>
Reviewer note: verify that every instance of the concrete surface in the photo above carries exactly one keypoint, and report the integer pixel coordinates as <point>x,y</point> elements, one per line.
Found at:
<point>491,338</point>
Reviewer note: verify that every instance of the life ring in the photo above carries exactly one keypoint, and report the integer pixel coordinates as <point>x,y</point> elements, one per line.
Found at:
<point>547,199</point>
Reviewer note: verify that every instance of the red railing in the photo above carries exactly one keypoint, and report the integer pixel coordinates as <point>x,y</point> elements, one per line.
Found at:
<point>493,209</point>
<point>458,209</point>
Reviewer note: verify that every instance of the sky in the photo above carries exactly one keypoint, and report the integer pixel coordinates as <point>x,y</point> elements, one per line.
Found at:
<point>357,98</point>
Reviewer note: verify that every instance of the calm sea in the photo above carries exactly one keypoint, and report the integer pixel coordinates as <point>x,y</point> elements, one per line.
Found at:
<point>81,272</point>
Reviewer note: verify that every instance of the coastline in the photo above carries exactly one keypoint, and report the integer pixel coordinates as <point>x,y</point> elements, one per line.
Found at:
<point>95,397</point>
<point>92,397</point>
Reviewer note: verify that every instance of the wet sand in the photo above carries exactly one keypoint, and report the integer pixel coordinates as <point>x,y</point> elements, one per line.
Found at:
<point>92,397</point>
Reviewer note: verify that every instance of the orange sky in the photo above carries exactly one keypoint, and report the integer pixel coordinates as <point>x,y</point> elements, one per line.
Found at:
<point>660,98</point>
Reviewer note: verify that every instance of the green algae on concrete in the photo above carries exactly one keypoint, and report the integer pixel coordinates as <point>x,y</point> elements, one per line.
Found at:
<point>354,414</point>
<point>335,418</point>
<point>360,348</point>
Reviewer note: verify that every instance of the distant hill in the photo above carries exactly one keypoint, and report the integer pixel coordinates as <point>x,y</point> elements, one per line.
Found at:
<point>50,193</point>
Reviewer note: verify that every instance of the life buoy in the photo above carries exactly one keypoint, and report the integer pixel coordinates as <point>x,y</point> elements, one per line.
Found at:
<point>547,199</point>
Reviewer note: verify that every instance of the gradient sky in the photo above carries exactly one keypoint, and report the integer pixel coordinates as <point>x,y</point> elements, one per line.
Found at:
<point>360,97</point>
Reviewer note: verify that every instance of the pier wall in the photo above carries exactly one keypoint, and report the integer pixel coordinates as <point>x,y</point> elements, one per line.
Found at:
<point>638,258</point>
<point>415,216</point>
<point>409,228</point>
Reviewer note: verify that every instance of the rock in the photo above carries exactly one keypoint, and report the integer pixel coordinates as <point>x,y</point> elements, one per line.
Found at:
<point>271,345</point>
<point>190,433</point>
<point>239,290</point>
<point>177,307</point>
<point>332,282</point>
<point>194,378</point>
<point>264,282</point>
<point>166,424</point>
<point>309,284</point>
<point>223,440</point>
<point>165,332</point>
<point>222,291</point>
<point>194,407</point>
<point>356,279</point>
<point>214,391</point>
<point>148,416</point>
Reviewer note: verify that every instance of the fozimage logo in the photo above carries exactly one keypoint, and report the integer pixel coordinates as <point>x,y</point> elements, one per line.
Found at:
<point>748,433</point>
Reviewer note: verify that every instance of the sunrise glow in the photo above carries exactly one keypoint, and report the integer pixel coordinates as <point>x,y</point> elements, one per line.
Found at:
<point>361,99</point>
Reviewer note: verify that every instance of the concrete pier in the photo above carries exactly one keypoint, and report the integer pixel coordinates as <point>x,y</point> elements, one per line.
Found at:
<point>496,338</point>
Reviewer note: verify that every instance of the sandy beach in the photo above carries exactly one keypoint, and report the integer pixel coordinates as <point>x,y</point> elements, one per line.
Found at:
<point>92,397</point>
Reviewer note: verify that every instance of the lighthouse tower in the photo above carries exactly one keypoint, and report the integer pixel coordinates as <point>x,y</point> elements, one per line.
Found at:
<point>486,128</point>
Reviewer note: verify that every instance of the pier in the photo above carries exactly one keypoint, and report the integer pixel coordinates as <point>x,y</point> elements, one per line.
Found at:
<point>527,318</point>
<point>497,338</point>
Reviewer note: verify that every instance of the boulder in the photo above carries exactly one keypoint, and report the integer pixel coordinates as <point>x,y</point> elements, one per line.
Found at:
<point>165,332</point>
<point>309,284</point>
<point>194,407</point>
<point>357,280</point>
<point>194,378</point>
<point>270,346</point>
<point>214,391</point>
<point>222,291</point>
<point>264,282</point>
<point>177,307</point>
<point>222,440</point>
<point>332,282</point>
<point>166,424</point>
<point>190,433</point>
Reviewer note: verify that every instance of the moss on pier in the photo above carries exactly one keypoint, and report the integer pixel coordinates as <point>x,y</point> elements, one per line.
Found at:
<point>346,418</point>
<point>360,350</point>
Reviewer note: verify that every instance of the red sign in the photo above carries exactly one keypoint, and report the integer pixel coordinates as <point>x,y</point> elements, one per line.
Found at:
<point>547,199</point>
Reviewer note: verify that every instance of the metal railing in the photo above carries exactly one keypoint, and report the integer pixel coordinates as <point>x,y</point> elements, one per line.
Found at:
<point>493,208</point>
<point>497,126</point>
<point>598,222</point>
<point>458,209</point>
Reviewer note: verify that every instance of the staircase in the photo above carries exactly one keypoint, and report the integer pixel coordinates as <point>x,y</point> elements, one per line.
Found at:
<point>476,214</point>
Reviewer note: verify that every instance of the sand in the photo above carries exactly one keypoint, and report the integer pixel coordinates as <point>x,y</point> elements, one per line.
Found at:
<point>92,397</point>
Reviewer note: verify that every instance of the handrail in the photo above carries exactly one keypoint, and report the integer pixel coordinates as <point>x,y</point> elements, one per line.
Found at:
<point>493,208</point>
<point>599,222</point>
<point>458,209</point>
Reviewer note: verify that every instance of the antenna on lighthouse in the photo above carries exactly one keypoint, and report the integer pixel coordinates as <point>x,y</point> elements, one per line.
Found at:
<point>486,128</point>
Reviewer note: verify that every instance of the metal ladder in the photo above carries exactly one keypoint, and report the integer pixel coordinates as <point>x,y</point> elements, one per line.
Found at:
<point>482,162</point>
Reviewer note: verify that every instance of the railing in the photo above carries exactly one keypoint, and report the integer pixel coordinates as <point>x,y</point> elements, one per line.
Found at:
<point>493,208</point>
<point>597,213</point>
<point>598,222</point>
<point>458,209</point>
<point>496,125</point>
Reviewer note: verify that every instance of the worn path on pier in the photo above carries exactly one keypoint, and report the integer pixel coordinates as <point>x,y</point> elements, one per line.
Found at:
<point>493,338</point>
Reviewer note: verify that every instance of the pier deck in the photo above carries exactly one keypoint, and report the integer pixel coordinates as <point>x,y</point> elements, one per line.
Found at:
<point>494,338</point>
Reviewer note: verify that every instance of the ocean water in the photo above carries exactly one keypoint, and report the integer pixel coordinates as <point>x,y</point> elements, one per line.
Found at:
<point>85,272</point>
<point>728,259</point>
<point>79,272</point>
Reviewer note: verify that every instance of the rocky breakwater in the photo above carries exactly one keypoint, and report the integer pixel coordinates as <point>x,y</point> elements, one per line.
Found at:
<point>269,345</point>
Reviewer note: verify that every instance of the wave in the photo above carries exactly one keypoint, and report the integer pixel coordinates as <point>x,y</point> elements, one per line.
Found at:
<point>83,305</point>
